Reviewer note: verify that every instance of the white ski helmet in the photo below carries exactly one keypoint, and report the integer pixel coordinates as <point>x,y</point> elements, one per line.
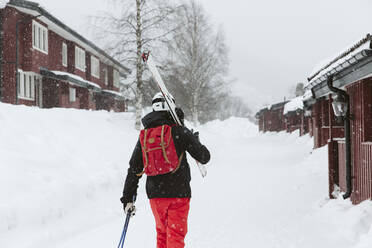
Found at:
<point>158,102</point>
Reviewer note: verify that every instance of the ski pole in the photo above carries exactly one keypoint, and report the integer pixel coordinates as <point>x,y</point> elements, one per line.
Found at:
<point>124,233</point>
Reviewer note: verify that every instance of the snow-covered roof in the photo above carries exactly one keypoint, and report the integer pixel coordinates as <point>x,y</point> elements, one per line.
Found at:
<point>113,93</point>
<point>63,73</point>
<point>307,95</point>
<point>79,81</point>
<point>334,64</point>
<point>278,105</point>
<point>293,105</point>
<point>3,3</point>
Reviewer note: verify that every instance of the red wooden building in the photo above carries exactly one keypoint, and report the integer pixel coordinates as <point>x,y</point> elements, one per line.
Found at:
<point>271,119</point>
<point>57,67</point>
<point>352,73</point>
<point>296,118</point>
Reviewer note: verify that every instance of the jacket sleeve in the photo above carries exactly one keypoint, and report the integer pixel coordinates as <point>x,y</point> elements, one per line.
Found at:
<point>193,146</point>
<point>131,182</point>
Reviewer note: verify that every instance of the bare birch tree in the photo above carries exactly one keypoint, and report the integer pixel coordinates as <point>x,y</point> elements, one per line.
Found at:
<point>132,27</point>
<point>198,63</point>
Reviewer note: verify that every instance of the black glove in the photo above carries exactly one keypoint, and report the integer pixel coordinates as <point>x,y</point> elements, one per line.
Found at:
<point>128,206</point>
<point>196,134</point>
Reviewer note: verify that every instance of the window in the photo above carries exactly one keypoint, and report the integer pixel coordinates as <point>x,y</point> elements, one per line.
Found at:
<point>79,58</point>
<point>105,75</point>
<point>39,37</point>
<point>94,65</point>
<point>116,78</point>
<point>26,88</point>
<point>72,94</point>
<point>64,54</point>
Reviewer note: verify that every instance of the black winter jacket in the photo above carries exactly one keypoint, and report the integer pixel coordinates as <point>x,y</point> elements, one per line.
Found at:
<point>171,185</point>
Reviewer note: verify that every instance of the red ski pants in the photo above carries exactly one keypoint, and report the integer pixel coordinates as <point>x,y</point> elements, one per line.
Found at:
<point>171,221</point>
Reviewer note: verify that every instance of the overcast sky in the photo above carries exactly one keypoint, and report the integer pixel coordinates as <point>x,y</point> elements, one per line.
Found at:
<point>273,44</point>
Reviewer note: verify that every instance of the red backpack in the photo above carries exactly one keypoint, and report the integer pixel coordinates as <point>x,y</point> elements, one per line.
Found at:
<point>158,151</point>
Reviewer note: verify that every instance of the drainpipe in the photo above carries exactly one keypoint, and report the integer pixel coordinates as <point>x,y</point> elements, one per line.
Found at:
<point>343,94</point>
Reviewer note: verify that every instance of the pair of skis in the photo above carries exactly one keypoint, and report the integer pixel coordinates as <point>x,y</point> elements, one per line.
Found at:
<point>147,58</point>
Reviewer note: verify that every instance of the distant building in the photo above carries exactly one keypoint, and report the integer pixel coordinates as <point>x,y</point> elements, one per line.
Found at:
<point>271,118</point>
<point>57,67</point>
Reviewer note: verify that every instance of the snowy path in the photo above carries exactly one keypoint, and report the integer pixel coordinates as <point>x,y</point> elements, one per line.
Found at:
<point>262,190</point>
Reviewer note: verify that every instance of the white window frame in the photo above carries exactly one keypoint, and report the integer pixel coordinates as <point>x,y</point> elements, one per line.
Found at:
<point>80,59</point>
<point>94,66</point>
<point>26,87</point>
<point>64,54</point>
<point>39,37</point>
<point>116,77</point>
<point>72,94</point>
<point>105,75</point>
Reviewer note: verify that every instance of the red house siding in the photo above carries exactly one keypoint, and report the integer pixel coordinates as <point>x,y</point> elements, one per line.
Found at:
<point>293,121</point>
<point>317,124</point>
<point>304,128</point>
<point>276,120</point>
<point>50,93</point>
<point>321,116</point>
<point>261,123</point>
<point>360,108</point>
<point>342,165</point>
<point>333,167</point>
<point>9,35</point>
<point>55,52</point>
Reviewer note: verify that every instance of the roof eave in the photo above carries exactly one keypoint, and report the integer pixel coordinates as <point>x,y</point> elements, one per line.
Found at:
<point>47,73</point>
<point>116,96</point>
<point>343,76</point>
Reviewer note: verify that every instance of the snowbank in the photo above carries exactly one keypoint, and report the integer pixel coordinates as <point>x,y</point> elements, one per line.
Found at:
<point>63,171</point>
<point>53,161</point>
<point>234,127</point>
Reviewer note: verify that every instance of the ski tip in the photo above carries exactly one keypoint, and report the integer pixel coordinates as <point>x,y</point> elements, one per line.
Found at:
<point>145,56</point>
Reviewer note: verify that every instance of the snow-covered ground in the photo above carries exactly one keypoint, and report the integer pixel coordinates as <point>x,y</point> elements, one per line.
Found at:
<point>62,174</point>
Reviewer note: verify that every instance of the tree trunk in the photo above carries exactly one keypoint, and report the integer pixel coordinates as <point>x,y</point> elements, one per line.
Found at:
<point>195,113</point>
<point>139,92</point>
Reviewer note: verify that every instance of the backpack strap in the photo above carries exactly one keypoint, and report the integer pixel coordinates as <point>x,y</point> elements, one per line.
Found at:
<point>162,144</point>
<point>145,152</point>
<point>179,163</point>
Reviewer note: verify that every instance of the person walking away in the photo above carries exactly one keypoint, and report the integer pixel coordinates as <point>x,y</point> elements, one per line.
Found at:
<point>160,153</point>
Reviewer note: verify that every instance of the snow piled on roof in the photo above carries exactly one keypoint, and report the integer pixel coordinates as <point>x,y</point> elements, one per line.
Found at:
<point>3,3</point>
<point>63,73</point>
<point>318,68</point>
<point>113,92</point>
<point>307,95</point>
<point>294,104</point>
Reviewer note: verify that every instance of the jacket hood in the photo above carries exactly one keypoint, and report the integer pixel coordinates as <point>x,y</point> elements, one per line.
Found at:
<point>157,118</point>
